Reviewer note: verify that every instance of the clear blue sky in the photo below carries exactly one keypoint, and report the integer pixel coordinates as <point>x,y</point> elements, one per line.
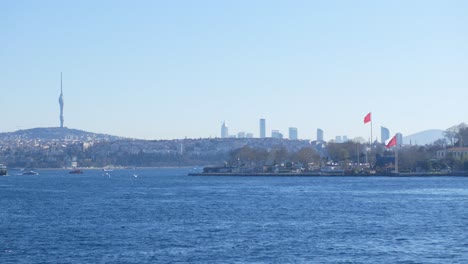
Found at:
<point>175,69</point>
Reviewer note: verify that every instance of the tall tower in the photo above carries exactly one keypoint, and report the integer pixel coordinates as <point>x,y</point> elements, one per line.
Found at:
<point>262,128</point>
<point>319,135</point>
<point>224,130</point>
<point>384,134</point>
<point>61,102</point>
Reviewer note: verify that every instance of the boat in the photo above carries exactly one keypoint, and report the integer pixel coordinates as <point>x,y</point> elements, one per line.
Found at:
<point>76,171</point>
<point>3,170</point>
<point>30,172</point>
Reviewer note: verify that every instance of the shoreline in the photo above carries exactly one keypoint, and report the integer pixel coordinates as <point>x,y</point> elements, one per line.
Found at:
<point>329,175</point>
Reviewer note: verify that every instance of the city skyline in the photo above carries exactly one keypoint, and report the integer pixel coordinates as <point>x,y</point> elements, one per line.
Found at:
<point>156,70</point>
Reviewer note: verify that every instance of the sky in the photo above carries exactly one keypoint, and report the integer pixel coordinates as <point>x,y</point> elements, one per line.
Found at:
<point>178,69</point>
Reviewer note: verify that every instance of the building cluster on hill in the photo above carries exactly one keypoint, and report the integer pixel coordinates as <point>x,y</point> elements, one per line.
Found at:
<point>92,150</point>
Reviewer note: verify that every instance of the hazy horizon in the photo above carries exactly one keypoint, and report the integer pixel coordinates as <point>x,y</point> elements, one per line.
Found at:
<point>168,70</point>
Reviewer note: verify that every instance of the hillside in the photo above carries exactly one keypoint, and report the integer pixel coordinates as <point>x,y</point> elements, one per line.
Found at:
<point>55,133</point>
<point>424,137</point>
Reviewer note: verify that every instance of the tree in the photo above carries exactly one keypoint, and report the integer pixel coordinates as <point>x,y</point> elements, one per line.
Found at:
<point>307,155</point>
<point>462,137</point>
<point>453,134</point>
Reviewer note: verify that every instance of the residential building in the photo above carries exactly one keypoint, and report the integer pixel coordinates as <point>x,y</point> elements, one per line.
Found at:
<point>457,153</point>
<point>276,134</point>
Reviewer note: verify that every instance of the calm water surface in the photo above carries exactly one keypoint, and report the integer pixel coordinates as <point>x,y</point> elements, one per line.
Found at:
<point>164,216</point>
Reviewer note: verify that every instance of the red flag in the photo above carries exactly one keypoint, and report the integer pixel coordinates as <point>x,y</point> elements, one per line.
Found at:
<point>392,142</point>
<point>367,118</point>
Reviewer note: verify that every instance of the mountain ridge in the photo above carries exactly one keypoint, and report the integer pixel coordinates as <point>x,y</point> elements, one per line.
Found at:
<point>56,133</point>
<point>424,137</point>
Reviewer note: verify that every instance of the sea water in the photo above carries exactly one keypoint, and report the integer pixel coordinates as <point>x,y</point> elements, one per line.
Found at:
<point>165,216</point>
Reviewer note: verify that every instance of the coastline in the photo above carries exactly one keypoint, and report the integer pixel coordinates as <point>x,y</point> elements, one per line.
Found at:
<point>314,174</point>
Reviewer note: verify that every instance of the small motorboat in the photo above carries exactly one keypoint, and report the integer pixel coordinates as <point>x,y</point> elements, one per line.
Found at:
<point>76,171</point>
<point>30,172</point>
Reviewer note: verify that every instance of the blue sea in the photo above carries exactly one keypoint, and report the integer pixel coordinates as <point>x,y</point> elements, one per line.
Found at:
<point>165,216</point>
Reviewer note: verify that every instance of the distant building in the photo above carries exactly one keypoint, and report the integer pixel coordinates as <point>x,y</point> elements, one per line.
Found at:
<point>384,134</point>
<point>338,139</point>
<point>293,133</point>
<point>345,139</point>
<point>319,135</point>
<point>457,153</point>
<point>399,138</point>
<point>276,134</point>
<point>262,128</point>
<point>224,130</point>
<point>241,135</point>
<point>249,135</point>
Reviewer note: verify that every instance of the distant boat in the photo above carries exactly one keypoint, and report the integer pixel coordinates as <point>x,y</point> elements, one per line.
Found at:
<point>76,171</point>
<point>3,170</point>
<point>30,172</point>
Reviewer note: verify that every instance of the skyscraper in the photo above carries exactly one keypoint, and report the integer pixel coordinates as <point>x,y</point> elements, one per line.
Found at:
<point>384,134</point>
<point>319,135</point>
<point>61,102</point>
<point>292,133</point>
<point>262,128</point>
<point>399,139</point>
<point>224,130</point>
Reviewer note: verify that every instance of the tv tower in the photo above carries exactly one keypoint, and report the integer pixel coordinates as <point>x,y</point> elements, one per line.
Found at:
<point>61,102</point>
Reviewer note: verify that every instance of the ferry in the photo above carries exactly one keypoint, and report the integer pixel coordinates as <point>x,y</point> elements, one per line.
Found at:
<point>3,170</point>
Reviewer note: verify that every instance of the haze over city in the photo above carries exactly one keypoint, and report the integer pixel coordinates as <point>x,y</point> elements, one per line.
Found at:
<point>166,70</point>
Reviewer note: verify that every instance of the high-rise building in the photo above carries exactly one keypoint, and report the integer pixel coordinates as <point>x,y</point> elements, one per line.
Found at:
<point>292,133</point>
<point>262,128</point>
<point>224,130</point>
<point>338,139</point>
<point>61,102</point>
<point>276,134</point>
<point>319,135</point>
<point>399,138</point>
<point>384,134</point>
<point>345,139</point>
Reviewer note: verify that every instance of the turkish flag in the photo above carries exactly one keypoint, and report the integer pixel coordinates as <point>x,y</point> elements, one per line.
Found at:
<point>367,118</point>
<point>392,142</point>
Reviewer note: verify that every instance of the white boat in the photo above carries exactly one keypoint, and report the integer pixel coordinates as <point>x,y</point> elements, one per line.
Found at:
<point>30,172</point>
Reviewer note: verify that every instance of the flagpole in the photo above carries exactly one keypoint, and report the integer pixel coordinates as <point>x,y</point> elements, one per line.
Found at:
<point>396,159</point>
